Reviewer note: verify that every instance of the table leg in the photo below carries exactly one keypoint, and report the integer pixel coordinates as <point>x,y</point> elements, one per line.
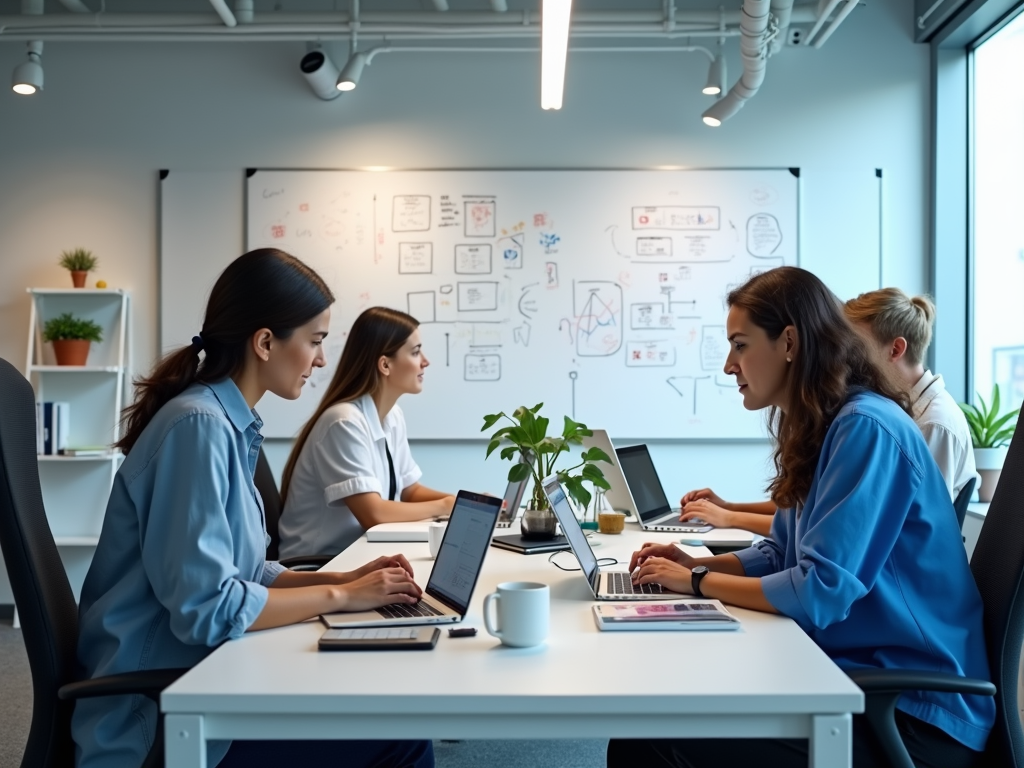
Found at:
<point>831,741</point>
<point>185,740</point>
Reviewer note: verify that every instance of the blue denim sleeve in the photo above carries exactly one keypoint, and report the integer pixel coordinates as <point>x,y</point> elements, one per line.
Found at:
<point>187,550</point>
<point>860,501</point>
<point>271,570</point>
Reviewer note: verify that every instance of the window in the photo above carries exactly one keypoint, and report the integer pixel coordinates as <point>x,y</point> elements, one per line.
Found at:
<point>998,342</point>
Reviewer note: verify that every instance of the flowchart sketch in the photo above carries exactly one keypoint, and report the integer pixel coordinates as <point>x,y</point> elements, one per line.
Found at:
<point>650,317</point>
<point>480,218</point>
<point>676,217</point>
<point>714,347</point>
<point>482,367</point>
<point>478,297</point>
<point>411,213</point>
<point>511,250</point>
<point>597,305</point>
<point>654,246</point>
<point>415,258</point>
<point>422,305</point>
<point>650,354</point>
<point>472,259</point>
<point>764,235</point>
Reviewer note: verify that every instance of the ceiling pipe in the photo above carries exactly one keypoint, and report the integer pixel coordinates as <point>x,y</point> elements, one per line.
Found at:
<point>499,6</point>
<point>825,8</point>
<point>244,11</point>
<point>221,7</point>
<point>834,24</point>
<point>782,10</point>
<point>753,28</point>
<point>75,6</point>
<point>440,5</point>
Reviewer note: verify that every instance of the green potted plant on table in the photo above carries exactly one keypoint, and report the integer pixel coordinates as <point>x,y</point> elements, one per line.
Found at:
<point>79,262</point>
<point>990,435</point>
<point>71,337</point>
<point>526,435</point>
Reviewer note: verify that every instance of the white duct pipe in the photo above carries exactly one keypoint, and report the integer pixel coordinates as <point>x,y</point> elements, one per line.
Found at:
<point>75,6</point>
<point>753,26</point>
<point>244,11</point>
<point>221,7</point>
<point>440,5</point>
<point>823,14</point>
<point>499,6</point>
<point>827,33</point>
<point>782,10</point>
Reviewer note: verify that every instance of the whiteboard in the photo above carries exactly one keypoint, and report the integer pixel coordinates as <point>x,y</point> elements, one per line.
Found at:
<point>599,293</point>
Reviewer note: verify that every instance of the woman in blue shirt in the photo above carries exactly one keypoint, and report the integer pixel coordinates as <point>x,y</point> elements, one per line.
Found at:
<point>864,553</point>
<point>181,562</point>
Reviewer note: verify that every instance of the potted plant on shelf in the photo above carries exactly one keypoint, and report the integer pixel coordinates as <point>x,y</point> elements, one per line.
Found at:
<point>71,337</point>
<point>526,435</point>
<point>79,262</point>
<point>990,435</point>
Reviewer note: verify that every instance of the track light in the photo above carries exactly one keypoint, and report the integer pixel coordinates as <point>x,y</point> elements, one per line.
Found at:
<point>349,77</point>
<point>321,74</point>
<point>554,46</point>
<point>28,76</point>
<point>722,110</point>
<point>716,76</point>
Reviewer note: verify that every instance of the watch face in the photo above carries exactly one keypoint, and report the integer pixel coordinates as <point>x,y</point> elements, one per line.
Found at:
<point>700,569</point>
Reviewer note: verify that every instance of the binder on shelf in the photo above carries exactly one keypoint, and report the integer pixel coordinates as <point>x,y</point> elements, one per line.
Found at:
<point>53,424</point>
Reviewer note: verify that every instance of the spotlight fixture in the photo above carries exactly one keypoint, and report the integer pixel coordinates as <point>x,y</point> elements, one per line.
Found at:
<point>722,110</point>
<point>716,76</point>
<point>321,74</point>
<point>349,77</point>
<point>28,76</point>
<point>554,46</point>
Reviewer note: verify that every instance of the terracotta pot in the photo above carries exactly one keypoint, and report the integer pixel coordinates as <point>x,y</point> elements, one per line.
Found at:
<point>71,351</point>
<point>78,278</point>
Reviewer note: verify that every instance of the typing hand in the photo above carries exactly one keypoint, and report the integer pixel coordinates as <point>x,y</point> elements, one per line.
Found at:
<point>666,551</point>
<point>386,561</point>
<point>708,511</point>
<point>703,493</point>
<point>380,587</point>
<point>670,574</point>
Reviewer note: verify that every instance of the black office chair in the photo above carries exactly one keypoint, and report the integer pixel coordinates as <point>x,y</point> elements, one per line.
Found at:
<point>263,478</point>
<point>998,568</point>
<point>46,605</point>
<point>962,500</point>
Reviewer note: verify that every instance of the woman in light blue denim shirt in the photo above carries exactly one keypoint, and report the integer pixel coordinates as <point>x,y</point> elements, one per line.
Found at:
<point>181,562</point>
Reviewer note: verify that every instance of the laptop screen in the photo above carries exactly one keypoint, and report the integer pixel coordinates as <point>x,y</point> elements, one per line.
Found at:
<point>465,543</point>
<point>642,479</point>
<point>571,528</point>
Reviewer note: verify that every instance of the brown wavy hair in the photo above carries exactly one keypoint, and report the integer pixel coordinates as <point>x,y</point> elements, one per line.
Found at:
<point>831,364</point>
<point>377,332</point>
<point>265,288</point>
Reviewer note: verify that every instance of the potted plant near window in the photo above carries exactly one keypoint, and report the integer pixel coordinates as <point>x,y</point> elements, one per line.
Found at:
<point>526,434</point>
<point>79,262</point>
<point>990,435</point>
<point>71,337</point>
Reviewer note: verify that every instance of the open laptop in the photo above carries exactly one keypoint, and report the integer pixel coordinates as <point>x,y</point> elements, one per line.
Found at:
<point>513,498</point>
<point>653,509</point>
<point>606,585</point>
<point>618,495</point>
<point>453,579</point>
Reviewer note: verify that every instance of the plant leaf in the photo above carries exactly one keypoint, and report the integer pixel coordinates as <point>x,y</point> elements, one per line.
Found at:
<point>490,420</point>
<point>539,429</point>
<point>596,454</point>
<point>591,472</point>
<point>518,473</point>
<point>537,407</point>
<point>491,446</point>
<point>509,451</point>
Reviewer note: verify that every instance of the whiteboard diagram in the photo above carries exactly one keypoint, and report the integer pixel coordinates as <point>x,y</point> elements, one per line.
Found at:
<point>599,293</point>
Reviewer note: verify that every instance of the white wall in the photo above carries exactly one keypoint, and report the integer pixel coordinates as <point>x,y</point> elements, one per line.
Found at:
<point>78,163</point>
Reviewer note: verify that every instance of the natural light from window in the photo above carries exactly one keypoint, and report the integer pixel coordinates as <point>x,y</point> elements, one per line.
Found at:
<point>999,214</point>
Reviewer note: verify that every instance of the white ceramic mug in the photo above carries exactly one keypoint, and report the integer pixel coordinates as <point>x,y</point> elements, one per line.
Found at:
<point>523,610</point>
<point>435,535</point>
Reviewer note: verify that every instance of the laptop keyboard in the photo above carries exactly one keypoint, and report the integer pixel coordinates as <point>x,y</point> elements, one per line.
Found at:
<point>620,583</point>
<point>403,611</point>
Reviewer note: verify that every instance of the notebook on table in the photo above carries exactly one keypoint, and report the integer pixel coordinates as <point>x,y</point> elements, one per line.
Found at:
<point>526,546</point>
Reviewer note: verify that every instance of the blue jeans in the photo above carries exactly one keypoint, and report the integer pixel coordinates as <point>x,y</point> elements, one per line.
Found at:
<point>329,754</point>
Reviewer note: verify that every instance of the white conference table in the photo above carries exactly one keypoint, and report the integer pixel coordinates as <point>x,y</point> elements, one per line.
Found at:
<point>766,680</point>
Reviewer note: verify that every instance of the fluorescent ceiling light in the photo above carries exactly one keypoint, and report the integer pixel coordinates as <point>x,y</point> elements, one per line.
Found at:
<point>716,77</point>
<point>28,76</point>
<point>321,74</point>
<point>554,45</point>
<point>349,77</point>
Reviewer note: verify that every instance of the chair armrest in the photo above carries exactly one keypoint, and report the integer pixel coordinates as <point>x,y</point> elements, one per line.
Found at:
<point>305,562</point>
<point>148,682</point>
<point>896,680</point>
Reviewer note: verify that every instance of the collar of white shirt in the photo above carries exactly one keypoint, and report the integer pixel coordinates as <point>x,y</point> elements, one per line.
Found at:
<point>369,411</point>
<point>927,389</point>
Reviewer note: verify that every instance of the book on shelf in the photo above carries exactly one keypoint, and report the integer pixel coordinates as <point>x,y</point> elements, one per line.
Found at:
<point>88,450</point>
<point>695,614</point>
<point>53,423</point>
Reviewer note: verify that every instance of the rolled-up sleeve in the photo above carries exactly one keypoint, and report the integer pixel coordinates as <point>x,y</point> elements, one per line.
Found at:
<point>187,549</point>
<point>344,461</point>
<point>271,570</point>
<point>860,503</point>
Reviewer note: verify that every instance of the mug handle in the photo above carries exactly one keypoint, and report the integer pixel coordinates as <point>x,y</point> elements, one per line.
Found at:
<point>491,630</point>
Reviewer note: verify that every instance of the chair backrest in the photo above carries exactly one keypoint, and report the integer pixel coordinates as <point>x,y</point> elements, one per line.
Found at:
<point>962,500</point>
<point>263,478</point>
<point>998,567</point>
<point>46,604</point>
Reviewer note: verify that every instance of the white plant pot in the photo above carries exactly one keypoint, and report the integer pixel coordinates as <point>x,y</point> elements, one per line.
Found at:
<point>989,462</point>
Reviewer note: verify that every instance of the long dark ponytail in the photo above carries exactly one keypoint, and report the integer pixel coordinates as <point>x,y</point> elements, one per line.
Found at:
<point>265,288</point>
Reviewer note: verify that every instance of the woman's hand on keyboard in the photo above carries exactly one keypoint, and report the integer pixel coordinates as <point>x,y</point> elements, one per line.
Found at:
<point>670,574</point>
<point>386,561</point>
<point>377,588</point>
<point>665,551</point>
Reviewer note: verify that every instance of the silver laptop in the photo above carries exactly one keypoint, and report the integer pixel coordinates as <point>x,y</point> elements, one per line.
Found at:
<point>618,495</point>
<point>652,506</point>
<point>606,585</point>
<point>513,498</point>
<point>453,579</point>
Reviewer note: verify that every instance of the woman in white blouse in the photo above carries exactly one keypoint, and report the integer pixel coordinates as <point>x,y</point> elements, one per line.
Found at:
<point>351,467</point>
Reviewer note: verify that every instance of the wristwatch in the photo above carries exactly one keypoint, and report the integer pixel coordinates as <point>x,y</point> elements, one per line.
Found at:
<point>696,574</point>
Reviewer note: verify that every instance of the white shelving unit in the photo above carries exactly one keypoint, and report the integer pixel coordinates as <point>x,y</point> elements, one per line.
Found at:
<point>75,489</point>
